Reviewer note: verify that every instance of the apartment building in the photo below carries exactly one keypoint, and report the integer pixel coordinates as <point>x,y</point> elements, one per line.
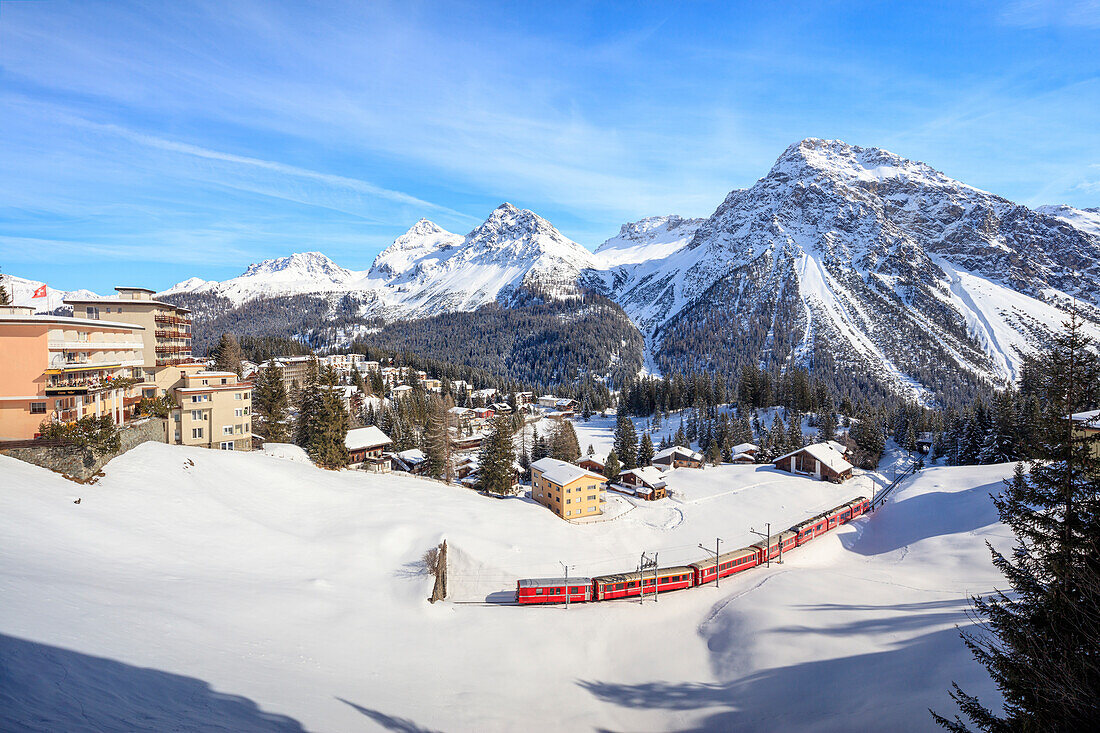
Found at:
<point>569,491</point>
<point>293,369</point>
<point>61,369</point>
<point>166,332</point>
<point>215,411</point>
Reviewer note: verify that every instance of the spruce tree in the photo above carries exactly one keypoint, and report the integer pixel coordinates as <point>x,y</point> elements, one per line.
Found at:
<point>794,433</point>
<point>437,442</point>
<point>269,400</point>
<point>626,442</point>
<point>563,442</point>
<point>645,450</point>
<point>826,429</point>
<point>496,469</point>
<point>1041,641</point>
<point>611,467</point>
<point>228,356</point>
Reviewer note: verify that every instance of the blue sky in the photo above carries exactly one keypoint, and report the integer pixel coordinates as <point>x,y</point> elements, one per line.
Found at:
<point>151,142</point>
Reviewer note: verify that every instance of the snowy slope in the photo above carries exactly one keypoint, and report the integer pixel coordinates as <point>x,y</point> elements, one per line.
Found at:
<point>1087,220</point>
<point>299,273</point>
<point>22,290</point>
<point>653,238</point>
<point>857,250</point>
<point>205,589</point>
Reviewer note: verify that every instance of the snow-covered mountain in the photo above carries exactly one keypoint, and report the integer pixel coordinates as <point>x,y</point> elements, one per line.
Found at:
<point>22,292</point>
<point>841,257</point>
<point>876,262</point>
<point>1087,220</point>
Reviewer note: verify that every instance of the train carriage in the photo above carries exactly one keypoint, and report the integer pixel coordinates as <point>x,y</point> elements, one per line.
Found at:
<point>859,506</point>
<point>786,538</point>
<point>626,585</point>
<point>553,590</point>
<point>728,563</point>
<point>812,527</point>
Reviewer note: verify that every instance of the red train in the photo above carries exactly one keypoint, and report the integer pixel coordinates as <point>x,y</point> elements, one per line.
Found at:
<point>626,585</point>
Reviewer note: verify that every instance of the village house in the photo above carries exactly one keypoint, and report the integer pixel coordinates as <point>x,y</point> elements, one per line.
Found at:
<point>595,464</point>
<point>548,400</point>
<point>411,461</point>
<point>567,405</point>
<point>744,453</point>
<point>501,408</point>
<point>399,391</point>
<point>1086,425</point>
<point>819,460</point>
<point>460,418</point>
<point>569,491</point>
<point>465,466</point>
<point>678,457</point>
<point>366,449</point>
<point>646,482</point>
<point>525,398</point>
<point>484,413</point>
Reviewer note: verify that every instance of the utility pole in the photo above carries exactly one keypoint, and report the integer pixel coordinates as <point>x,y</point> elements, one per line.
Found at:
<point>767,547</point>
<point>717,570</point>
<point>644,565</point>
<point>566,583</point>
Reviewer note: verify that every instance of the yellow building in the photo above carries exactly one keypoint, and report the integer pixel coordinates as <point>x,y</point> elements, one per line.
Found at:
<point>1086,425</point>
<point>569,491</point>
<point>61,369</point>
<point>166,335</point>
<point>215,411</point>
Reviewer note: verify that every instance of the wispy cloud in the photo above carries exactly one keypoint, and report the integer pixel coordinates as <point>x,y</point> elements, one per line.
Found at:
<point>1045,13</point>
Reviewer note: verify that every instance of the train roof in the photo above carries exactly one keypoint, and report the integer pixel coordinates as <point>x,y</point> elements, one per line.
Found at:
<point>551,582</point>
<point>725,556</point>
<point>625,577</point>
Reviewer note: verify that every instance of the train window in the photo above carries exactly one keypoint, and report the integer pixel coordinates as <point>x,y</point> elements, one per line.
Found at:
<point>538,591</point>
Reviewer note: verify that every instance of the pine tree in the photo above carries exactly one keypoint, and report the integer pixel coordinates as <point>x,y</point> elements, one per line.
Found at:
<point>496,469</point>
<point>1040,641</point>
<point>437,442</point>
<point>322,420</point>
<point>269,401</point>
<point>826,429</point>
<point>563,442</point>
<point>794,433</point>
<point>539,447</point>
<point>999,441</point>
<point>611,467</point>
<point>228,356</point>
<point>626,442</point>
<point>714,454</point>
<point>645,450</point>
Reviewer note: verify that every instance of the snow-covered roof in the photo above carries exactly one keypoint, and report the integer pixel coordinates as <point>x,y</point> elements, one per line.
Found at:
<point>367,437</point>
<point>412,455</point>
<point>561,472</point>
<point>745,448</point>
<point>743,456</point>
<point>838,447</point>
<point>649,474</point>
<point>680,451</point>
<point>824,453</point>
<point>1090,418</point>
<point>459,410</point>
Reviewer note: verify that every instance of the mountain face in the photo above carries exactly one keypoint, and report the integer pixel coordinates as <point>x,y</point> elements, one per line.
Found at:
<point>877,270</point>
<point>870,263</point>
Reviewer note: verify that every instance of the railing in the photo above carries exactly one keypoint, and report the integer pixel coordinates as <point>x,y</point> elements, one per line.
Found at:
<point>164,349</point>
<point>160,318</point>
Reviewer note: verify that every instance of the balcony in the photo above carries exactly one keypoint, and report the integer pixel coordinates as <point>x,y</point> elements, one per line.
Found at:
<point>166,349</point>
<point>175,320</point>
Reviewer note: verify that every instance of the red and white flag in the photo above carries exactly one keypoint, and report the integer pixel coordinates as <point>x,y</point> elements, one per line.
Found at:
<point>40,293</point>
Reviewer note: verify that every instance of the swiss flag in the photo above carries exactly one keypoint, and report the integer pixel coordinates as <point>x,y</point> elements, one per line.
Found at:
<point>40,293</point>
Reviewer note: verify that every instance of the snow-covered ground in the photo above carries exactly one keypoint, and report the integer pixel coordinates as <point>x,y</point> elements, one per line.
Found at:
<point>237,591</point>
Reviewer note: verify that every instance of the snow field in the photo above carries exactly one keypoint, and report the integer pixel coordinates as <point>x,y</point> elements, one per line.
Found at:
<point>225,588</point>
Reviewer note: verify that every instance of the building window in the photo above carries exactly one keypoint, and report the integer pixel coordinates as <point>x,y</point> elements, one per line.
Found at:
<point>196,414</point>
<point>38,408</point>
<point>227,445</point>
<point>92,313</point>
<point>225,381</point>
<point>227,430</point>
<point>238,412</point>
<point>196,432</point>
<point>239,395</point>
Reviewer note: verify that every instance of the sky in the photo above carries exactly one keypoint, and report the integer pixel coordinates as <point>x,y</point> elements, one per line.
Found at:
<point>145,143</point>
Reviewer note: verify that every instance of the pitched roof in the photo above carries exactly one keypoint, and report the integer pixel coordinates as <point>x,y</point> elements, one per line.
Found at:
<point>412,455</point>
<point>650,475</point>
<point>1090,419</point>
<point>561,472</point>
<point>745,447</point>
<point>824,453</point>
<point>368,437</point>
<point>679,450</point>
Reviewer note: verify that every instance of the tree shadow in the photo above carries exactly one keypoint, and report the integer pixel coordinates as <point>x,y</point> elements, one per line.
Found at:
<point>47,688</point>
<point>900,523</point>
<point>412,569</point>
<point>389,722</point>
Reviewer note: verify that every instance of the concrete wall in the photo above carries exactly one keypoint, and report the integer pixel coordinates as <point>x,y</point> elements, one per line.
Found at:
<point>81,464</point>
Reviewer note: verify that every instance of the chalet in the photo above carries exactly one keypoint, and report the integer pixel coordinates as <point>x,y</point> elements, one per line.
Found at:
<point>548,400</point>
<point>558,414</point>
<point>819,460</point>
<point>366,448</point>
<point>484,395</point>
<point>678,457</point>
<point>502,408</point>
<point>744,453</point>
<point>467,442</point>
<point>483,413</point>
<point>410,461</point>
<point>838,447</point>
<point>525,398</point>
<point>566,405</point>
<point>1086,426</point>
<point>460,417</point>
<point>465,466</point>
<point>592,463</point>
<point>647,483</point>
